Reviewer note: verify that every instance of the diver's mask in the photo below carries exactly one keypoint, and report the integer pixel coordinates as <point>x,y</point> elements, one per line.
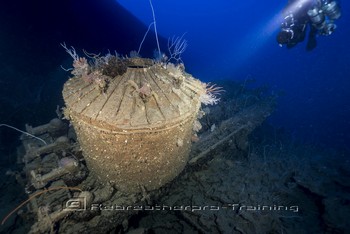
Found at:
<point>285,36</point>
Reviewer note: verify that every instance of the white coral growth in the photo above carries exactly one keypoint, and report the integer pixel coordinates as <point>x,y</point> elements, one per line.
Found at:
<point>174,70</point>
<point>209,99</point>
<point>210,95</point>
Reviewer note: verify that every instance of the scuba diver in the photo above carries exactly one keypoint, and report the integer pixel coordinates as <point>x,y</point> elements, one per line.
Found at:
<point>318,14</point>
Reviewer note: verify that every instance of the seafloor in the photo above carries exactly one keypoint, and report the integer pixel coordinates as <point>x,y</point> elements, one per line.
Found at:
<point>243,176</point>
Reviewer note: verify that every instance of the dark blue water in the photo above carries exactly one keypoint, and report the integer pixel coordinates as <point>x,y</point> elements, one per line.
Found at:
<point>236,40</point>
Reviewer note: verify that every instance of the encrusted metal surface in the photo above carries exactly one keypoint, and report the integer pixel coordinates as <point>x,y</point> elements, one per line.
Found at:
<point>136,130</point>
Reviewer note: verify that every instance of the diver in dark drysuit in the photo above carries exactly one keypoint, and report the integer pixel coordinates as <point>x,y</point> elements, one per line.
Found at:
<point>318,14</point>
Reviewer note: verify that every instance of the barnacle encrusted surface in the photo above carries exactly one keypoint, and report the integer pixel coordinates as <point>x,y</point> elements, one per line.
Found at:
<point>129,133</point>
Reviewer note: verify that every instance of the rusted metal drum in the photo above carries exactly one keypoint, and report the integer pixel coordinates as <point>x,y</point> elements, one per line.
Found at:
<point>134,125</point>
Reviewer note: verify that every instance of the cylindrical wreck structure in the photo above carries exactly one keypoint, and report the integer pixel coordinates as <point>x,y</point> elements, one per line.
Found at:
<point>133,119</point>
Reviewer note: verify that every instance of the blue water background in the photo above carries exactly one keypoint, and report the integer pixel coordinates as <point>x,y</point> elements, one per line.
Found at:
<point>236,40</point>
